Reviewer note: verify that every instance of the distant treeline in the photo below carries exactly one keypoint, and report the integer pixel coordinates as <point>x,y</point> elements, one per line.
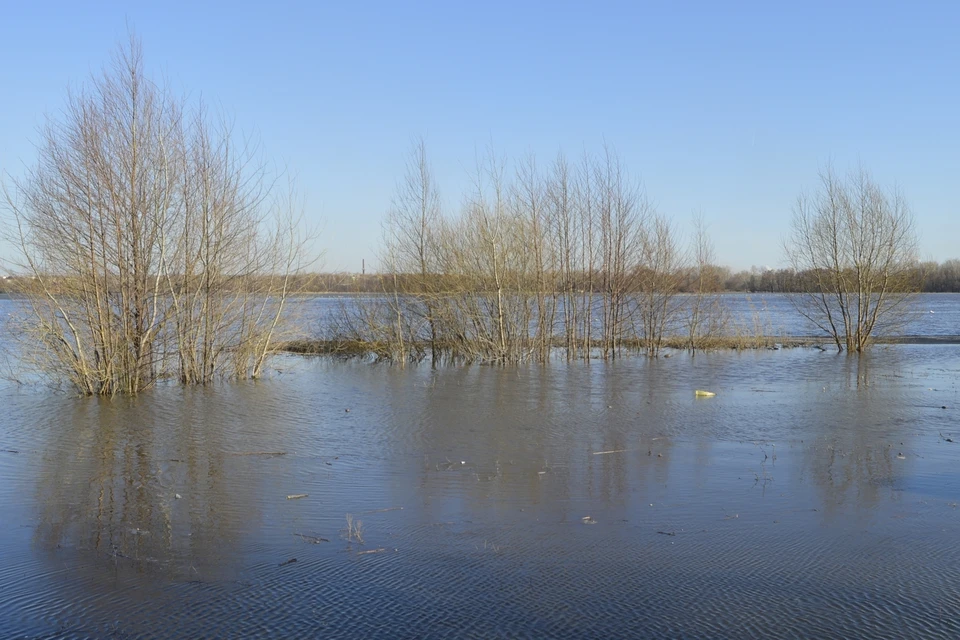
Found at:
<point>932,277</point>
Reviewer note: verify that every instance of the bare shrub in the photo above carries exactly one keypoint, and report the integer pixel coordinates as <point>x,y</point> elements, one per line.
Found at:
<point>150,242</point>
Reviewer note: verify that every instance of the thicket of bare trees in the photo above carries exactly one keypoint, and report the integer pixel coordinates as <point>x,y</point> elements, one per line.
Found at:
<point>572,258</point>
<point>151,243</point>
<point>856,241</point>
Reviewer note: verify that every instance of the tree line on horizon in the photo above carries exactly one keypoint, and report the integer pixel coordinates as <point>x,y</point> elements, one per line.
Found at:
<point>932,276</point>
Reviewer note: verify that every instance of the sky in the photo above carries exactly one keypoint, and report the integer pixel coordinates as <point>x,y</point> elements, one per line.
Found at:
<point>724,108</point>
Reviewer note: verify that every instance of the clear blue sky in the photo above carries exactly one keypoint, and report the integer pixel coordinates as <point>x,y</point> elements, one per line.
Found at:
<point>723,107</point>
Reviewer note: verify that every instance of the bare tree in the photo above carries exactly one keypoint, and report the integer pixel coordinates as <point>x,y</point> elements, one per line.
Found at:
<point>149,241</point>
<point>411,231</point>
<point>530,201</point>
<point>704,314</point>
<point>578,250</point>
<point>856,240</point>
<point>623,213</point>
<point>561,207</point>
<point>657,282</point>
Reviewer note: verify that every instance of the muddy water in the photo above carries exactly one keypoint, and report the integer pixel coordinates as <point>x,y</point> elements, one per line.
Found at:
<point>815,496</point>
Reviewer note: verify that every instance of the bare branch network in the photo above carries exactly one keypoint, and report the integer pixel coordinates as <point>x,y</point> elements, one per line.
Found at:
<point>153,245</point>
<point>153,240</point>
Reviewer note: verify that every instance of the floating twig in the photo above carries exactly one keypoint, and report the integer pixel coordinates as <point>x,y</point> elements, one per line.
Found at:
<point>601,453</point>
<point>290,561</point>
<point>258,453</point>
<point>380,510</point>
<point>363,553</point>
<point>667,533</point>
<point>311,539</point>
<point>297,496</point>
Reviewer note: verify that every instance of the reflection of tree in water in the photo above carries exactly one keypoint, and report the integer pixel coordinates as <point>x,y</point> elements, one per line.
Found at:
<point>853,460</point>
<point>110,482</point>
<point>527,436</point>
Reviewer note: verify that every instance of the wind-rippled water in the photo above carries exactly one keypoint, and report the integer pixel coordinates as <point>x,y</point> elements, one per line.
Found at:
<point>815,496</point>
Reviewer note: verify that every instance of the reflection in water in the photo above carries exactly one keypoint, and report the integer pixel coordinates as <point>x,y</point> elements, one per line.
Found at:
<point>568,500</point>
<point>151,485</point>
<point>859,424</point>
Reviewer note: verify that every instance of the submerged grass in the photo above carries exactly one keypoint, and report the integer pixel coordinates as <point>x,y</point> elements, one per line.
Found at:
<point>381,351</point>
<point>354,530</point>
<point>363,348</point>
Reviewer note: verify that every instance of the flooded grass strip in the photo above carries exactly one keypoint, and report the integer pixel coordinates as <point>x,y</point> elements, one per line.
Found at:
<point>258,453</point>
<point>361,348</point>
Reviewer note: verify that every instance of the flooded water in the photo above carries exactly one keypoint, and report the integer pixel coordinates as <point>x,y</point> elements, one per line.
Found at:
<point>815,496</point>
<point>771,314</point>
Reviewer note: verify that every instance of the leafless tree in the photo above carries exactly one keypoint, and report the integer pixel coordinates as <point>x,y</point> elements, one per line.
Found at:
<point>574,259</point>
<point>622,213</point>
<point>658,280</point>
<point>562,212</point>
<point>410,260</point>
<point>149,240</point>
<point>530,201</point>
<point>857,242</point>
<point>705,317</point>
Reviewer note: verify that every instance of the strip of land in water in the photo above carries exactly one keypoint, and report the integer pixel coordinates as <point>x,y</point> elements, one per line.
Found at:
<point>363,347</point>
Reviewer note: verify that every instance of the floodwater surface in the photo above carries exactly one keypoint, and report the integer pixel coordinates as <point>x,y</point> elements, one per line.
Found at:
<point>816,495</point>
<point>928,315</point>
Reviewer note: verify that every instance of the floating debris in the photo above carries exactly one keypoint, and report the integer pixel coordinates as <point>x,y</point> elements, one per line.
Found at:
<point>297,496</point>
<point>603,453</point>
<point>381,510</point>
<point>588,520</point>
<point>700,393</point>
<point>311,539</point>
<point>363,553</point>
<point>290,561</point>
<point>259,453</point>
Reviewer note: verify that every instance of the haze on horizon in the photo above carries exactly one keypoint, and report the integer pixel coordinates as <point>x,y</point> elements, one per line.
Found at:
<point>729,112</point>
